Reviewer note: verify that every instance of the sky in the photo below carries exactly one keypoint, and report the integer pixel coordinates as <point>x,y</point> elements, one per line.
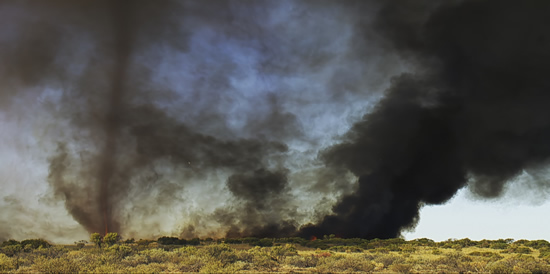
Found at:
<point>274,118</point>
<point>464,217</point>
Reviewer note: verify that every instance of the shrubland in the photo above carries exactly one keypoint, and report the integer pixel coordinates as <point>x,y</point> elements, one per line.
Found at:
<point>329,254</point>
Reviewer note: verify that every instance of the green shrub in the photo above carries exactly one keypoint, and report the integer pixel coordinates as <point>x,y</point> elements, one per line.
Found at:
<point>454,262</point>
<point>487,254</point>
<point>149,268</point>
<point>193,263</point>
<point>194,241</point>
<point>408,249</point>
<point>135,260</point>
<point>7,263</point>
<point>221,252</point>
<point>143,243</point>
<point>498,246</point>
<point>216,249</point>
<point>544,252</point>
<point>527,263</point>
<point>80,244</point>
<point>108,268</point>
<point>348,249</point>
<point>519,249</point>
<point>11,250</point>
<point>156,255</point>
<point>422,242</point>
<point>401,268</point>
<point>187,250</point>
<point>382,250</point>
<point>538,244</point>
<point>55,265</point>
<point>437,251</point>
<point>393,247</point>
<point>348,263</point>
<point>499,267</point>
<point>518,264</point>
<point>111,238</point>
<point>10,242</point>
<point>35,243</point>
<point>171,241</point>
<point>281,252</point>
<point>389,259</point>
<point>52,252</point>
<point>238,241</point>
<point>302,261</point>
<point>262,259</point>
<point>265,242</point>
<point>465,242</point>
<point>96,238</point>
<point>292,240</point>
<point>121,251</point>
<point>244,256</point>
<point>213,267</point>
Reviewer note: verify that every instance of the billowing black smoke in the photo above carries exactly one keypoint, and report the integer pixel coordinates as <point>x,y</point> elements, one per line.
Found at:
<point>477,108</point>
<point>154,100</point>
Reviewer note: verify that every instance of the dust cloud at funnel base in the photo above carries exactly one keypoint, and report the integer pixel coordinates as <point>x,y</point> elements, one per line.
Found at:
<point>265,118</point>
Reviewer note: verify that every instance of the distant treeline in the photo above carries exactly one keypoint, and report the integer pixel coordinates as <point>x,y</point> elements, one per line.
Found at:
<point>326,242</point>
<point>330,241</point>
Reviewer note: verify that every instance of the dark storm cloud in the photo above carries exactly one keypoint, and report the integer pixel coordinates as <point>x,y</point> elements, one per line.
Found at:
<point>262,198</point>
<point>129,135</point>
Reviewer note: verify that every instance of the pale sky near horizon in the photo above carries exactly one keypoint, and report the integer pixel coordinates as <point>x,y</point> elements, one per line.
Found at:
<point>466,217</point>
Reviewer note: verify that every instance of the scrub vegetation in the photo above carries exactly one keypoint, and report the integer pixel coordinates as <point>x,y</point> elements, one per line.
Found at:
<point>111,254</point>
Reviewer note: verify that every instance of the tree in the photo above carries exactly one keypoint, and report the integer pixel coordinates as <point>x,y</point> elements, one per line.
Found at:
<point>96,239</point>
<point>9,242</point>
<point>194,241</point>
<point>80,244</point>
<point>111,238</point>
<point>35,243</point>
<point>171,241</point>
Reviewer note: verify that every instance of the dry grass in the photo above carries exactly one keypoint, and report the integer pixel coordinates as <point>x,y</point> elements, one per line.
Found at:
<point>243,258</point>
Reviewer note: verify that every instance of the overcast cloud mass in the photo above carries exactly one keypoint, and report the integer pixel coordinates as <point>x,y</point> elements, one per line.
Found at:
<point>264,118</point>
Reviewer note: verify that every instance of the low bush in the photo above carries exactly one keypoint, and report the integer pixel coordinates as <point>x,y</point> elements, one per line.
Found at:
<point>498,246</point>
<point>56,265</point>
<point>348,249</point>
<point>518,249</point>
<point>389,259</point>
<point>10,242</point>
<point>437,251</point>
<point>487,254</point>
<point>401,268</point>
<point>171,241</point>
<point>192,263</point>
<point>262,259</point>
<point>348,263</point>
<point>408,249</point>
<point>121,251</point>
<point>7,263</point>
<point>220,252</point>
<point>281,252</point>
<point>302,261</point>
<point>11,250</point>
